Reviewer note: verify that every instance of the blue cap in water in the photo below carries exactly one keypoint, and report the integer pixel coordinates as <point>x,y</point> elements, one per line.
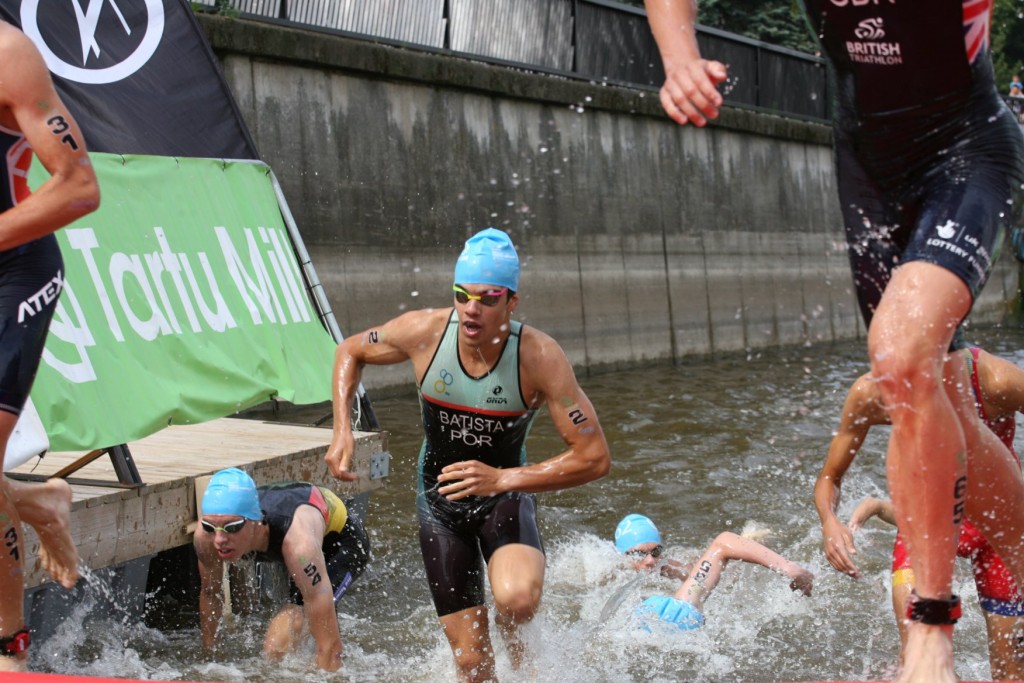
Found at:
<point>671,610</point>
<point>489,258</point>
<point>232,492</point>
<point>635,530</point>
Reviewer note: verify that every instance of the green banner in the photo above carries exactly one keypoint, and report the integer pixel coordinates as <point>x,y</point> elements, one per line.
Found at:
<point>183,302</point>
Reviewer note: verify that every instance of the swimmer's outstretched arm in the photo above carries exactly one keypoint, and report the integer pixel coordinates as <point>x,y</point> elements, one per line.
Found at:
<point>707,571</point>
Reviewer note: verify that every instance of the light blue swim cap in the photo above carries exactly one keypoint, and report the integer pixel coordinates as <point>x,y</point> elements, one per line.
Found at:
<point>635,530</point>
<point>671,610</point>
<point>489,258</point>
<point>232,492</point>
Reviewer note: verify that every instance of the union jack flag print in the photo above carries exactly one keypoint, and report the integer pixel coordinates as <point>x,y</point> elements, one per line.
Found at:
<point>977,14</point>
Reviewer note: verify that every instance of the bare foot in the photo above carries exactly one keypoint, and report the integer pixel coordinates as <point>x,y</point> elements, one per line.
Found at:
<point>929,655</point>
<point>57,552</point>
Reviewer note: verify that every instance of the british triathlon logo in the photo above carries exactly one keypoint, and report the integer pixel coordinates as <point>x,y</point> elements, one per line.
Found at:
<point>114,39</point>
<point>870,29</point>
<point>869,48</point>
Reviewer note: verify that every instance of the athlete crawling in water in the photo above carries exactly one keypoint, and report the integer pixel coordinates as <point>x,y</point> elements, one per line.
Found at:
<point>481,378</point>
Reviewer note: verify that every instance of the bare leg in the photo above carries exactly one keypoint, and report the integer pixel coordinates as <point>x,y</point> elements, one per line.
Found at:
<point>926,463</point>
<point>12,560</point>
<point>1005,647</point>
<point>516,573</point>
<point>284,632</point>
<point>900,600</point>
<point>46,507</point>
<point>470,640</point>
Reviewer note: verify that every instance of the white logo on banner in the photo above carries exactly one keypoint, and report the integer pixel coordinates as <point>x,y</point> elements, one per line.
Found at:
<point>88,21</point>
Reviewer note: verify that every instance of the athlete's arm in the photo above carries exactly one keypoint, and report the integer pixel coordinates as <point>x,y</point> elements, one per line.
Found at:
<point>871,507</point>
<point>707,571</point>
<point>304,559</point>
<point>29,101</point>
<point>409,336</point>
<point>861,410</point>
<point>211,593</point>
<point>547,374</point>
<point>689,94</point>
<point>1002,385</point>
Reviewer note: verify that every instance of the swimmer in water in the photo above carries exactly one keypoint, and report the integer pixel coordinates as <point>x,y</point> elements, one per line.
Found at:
<point>638,538</point>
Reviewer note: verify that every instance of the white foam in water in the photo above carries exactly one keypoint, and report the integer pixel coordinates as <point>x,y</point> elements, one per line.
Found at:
<point>718,445</point>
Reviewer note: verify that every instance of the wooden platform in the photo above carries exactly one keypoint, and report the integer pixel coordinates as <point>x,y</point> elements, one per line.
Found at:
<point>112,525</point>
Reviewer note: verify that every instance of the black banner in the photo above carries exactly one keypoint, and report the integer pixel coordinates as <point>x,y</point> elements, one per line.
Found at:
<point>138,75</point>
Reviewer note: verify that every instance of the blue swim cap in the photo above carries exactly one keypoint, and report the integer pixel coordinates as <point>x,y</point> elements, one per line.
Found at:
<point>232,492</point>
<point>673,611</point>
<point>489,258</point>
<point>635,530</point>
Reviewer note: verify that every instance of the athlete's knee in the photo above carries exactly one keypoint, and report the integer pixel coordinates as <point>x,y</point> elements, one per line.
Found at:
<point>283,632</point>
<point>474,664</point>
<point>905,371</point>
<point>518,604</point>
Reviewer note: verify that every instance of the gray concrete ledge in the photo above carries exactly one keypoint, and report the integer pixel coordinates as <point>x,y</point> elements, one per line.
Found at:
<point>334,50</point>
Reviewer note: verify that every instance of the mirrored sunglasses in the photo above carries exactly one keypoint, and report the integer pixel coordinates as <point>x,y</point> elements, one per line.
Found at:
<point>491,298</point>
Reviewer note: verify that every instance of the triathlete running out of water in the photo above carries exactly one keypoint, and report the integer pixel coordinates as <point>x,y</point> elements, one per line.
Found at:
<point>32,119</point>
<point>637,537</point>
<point>305,527</point>
<point>481,377</point>
<point>929,165</point>
<point>998,389</point>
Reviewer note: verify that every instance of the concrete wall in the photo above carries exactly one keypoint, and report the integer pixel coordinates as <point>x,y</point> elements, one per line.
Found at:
<point>642,241</point>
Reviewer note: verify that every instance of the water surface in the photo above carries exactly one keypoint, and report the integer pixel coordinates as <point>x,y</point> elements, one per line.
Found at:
<point>730,443</point>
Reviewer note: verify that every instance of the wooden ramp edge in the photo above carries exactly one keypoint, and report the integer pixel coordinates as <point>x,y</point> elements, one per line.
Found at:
<point>113,524</point>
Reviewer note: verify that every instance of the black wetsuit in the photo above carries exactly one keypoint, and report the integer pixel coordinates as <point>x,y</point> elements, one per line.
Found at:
<point>31,279</point>
<point>930,160</point>
<point>346,546</point>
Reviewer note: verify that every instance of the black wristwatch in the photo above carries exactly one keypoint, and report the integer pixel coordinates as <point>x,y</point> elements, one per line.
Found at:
<point>12,645</point>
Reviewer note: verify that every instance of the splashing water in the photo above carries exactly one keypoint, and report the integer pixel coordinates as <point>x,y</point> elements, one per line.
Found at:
<point>701,448</point>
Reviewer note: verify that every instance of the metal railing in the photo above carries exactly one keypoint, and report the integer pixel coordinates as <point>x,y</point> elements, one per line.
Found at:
<point>598,40</point>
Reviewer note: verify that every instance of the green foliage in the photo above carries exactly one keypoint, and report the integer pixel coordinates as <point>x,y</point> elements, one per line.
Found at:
<point>777,22</point>
<point>222,7</point>
<point>1007,40</point>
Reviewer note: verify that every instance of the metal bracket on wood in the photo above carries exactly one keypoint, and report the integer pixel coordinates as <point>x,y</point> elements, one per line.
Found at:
<point>120,457</point>
<point>380,464</point>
